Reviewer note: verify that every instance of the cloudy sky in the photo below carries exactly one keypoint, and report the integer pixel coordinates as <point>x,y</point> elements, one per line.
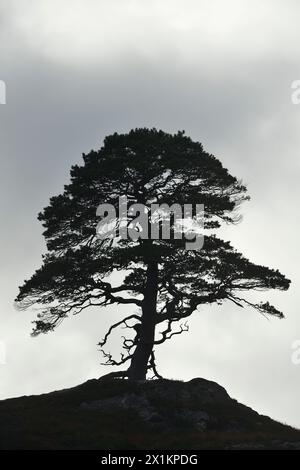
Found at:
<point>77,70</point>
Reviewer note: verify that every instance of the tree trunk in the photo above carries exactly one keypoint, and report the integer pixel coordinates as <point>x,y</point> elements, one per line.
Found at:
<point>145,337</point>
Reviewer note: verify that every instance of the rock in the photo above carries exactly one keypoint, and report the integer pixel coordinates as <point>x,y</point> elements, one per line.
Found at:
<point>199,405</point>
<point>122,414</point>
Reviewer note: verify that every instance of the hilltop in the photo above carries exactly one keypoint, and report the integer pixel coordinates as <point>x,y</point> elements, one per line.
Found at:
<point>116,414</point>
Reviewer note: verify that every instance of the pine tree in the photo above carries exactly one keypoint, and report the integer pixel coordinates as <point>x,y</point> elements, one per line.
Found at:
<point>161,277</point>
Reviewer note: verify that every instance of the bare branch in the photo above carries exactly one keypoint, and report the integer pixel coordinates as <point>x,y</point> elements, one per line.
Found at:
<point>115,325</point>
<point>166,336</point>
<point>152,366</point>
<point>112,362</point>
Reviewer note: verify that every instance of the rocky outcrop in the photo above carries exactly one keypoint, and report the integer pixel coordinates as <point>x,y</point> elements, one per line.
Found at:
<point>158,414</point>
<point>165,405</point>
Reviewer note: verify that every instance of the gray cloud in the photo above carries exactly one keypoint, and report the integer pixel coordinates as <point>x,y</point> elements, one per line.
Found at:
<point>77,71</point>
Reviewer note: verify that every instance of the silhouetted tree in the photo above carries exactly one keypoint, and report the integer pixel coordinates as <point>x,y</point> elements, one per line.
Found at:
<point>160,277</point>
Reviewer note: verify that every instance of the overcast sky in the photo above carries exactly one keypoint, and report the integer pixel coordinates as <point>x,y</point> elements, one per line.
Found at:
<point>77,70</point>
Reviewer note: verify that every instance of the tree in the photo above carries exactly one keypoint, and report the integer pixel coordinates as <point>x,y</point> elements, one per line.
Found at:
<point>160,277</point>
